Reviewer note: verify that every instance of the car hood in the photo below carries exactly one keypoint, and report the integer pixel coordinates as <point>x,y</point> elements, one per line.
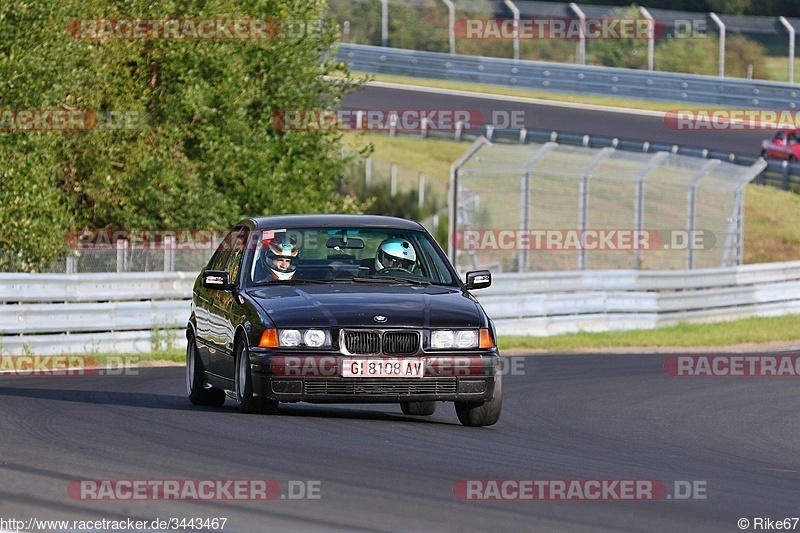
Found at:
<point>351,305</point>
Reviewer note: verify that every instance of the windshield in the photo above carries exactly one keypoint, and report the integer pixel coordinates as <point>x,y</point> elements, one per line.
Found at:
<point>325,254</point>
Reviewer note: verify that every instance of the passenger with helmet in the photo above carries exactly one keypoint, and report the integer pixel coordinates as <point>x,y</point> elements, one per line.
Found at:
<point>395,253</point>
<point>278,260</point>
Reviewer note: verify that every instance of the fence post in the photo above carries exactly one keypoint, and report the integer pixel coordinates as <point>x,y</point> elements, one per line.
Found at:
<point>169,253</point>
<point>122,255</point>
<point>368,172</point>
<point>721,26</point>
<point>421,194</point>
<point>583,200</point>
<point>393,184</point>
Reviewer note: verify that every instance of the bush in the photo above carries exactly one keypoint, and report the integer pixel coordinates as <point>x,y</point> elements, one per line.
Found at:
<point>700,56</point>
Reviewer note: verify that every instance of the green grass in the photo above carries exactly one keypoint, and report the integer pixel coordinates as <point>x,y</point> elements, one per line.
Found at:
<point>177,355</point>
<point>778,68</point>
<point>746,331</point>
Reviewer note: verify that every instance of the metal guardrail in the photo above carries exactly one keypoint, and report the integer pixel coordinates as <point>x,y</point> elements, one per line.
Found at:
<point>53,314</point>
<point>548,303</point>
<point>103,320</point>
<point>576,79</point>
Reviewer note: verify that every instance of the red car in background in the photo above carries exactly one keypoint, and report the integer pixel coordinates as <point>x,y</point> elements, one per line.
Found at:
<point>785,145</point>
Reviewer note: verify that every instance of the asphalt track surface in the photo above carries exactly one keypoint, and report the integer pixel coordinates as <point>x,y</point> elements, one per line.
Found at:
<point>572,118</point>
<point>565,417</point>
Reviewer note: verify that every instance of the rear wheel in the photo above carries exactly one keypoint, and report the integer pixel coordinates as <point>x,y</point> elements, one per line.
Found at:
<point>245,399</point>
<point>418,408</point>
<point>195,382</point>
<point>482,414</point>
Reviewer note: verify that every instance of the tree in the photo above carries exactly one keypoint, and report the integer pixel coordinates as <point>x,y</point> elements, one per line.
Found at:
<point>201,150</point>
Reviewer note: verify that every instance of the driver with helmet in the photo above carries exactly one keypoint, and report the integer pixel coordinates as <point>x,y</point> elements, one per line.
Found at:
<point>395,253</point>
<point>278,259</point>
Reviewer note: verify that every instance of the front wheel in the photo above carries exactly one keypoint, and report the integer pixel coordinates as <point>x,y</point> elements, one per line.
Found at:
<point>418,408</point>
<point>245,399</point>
<point>482,414</point>
<point>195,382</point>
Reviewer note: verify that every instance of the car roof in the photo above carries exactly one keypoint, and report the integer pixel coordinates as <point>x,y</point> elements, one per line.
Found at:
<point>349,221</point>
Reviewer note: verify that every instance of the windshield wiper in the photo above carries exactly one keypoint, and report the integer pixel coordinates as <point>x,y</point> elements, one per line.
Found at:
<point>391,279</point>
<point>292,282</point>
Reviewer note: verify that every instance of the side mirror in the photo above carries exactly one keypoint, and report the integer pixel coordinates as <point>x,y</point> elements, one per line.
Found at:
<point>478,279</point>
<point>217,279</point>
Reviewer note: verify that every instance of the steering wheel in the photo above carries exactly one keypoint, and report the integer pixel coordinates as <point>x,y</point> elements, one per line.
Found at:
<point>390,270</point>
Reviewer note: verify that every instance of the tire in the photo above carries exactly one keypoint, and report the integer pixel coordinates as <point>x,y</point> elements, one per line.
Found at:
<point>482,414</point>
<point>195,382</point>
<point>247,402</point>
<point>418,408</point>
<point>764,154</point>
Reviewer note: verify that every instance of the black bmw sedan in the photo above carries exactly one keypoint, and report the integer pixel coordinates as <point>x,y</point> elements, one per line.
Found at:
<point>340,309</point>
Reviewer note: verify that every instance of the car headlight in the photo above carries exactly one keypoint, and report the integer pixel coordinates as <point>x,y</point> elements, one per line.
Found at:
<point>295,338</point>
<point>289,337</point>
<point>461,339</point>
<point>443,339</point>
<point>315,338</point>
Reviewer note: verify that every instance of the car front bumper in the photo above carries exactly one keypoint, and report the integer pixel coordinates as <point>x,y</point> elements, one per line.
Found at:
<point>318,379</point>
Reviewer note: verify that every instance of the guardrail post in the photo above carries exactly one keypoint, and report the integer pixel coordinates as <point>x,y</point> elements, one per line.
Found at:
<point>368,172</point>
<point>421,193</point>
<point>791,31</point>
<point>71,264</point>
<point>785,175</point>
<point>393,183</point>
<point>721,26</point>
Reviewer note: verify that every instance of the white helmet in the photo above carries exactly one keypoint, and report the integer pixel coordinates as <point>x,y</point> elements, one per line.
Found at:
<point>277,249</point>
<point>395,253</point>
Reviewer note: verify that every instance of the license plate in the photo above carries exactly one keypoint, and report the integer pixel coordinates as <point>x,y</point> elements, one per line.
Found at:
<point>383,368</point>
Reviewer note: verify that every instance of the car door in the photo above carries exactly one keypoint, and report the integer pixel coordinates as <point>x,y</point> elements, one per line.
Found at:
<point>222,307</point>
<point>204,300</point>
<point>779,147</point>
